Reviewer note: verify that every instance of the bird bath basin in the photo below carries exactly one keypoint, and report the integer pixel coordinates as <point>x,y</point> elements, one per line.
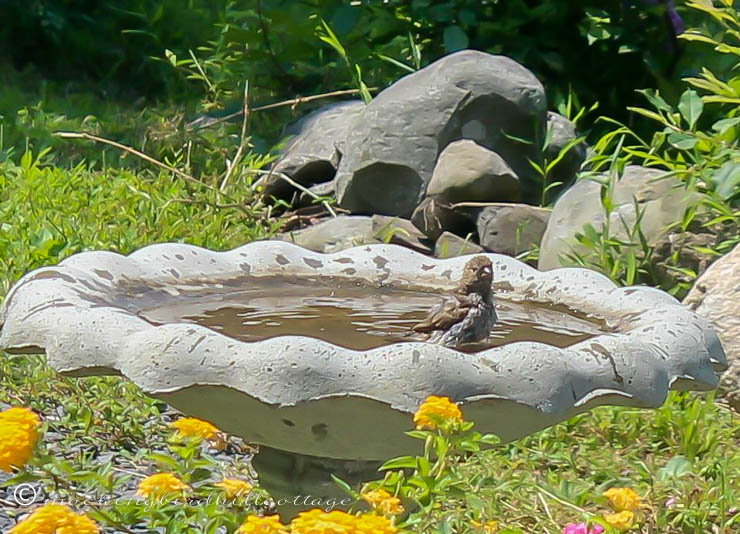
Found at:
<point>305,353</point>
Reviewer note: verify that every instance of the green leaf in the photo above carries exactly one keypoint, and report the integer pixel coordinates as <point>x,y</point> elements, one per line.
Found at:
<point>682,141</point>
<point>723,125</point>
<point>675,468</point>
<point>691,107</point>
<point>726,180</point>
<point>455,38</point>
<point>656,100</point>
<point>402,462</point>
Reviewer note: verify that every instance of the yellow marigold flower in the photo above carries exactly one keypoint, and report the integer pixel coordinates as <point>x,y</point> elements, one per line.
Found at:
<point>56,519</point>
<point>435,409</point>
<point>195,428</point>
<point>383,502</point>
<point>374,524</point>
<point>234,488</point>
<point>623,521</point>
<point>622,499</point>
<point>16,445</point>
<point>22,416</point>
<point>160,485</point>
<point>317,521</point>
<point>262,525</point>
<point>489,527</point>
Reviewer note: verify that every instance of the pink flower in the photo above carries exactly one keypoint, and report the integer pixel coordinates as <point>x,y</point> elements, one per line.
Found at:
<point>582,528</point>
<point>671,503</point>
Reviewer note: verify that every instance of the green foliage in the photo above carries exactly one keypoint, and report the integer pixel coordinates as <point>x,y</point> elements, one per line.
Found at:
<point>619,46</point>
<point>690,144</point>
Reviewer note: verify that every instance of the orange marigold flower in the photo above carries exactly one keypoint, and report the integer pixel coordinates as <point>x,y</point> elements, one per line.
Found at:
<point>195,428</point>
<point>374,524</point>
<point>160,485</point>
<point>16,445</point>
<point>234,488</point>
<point>262,525</point>
<point>383,502</point>
<point>317,521</point>
<point>623,499</point>
<point>434,410</point>
<point>55,519</point>
<point>623,521</point>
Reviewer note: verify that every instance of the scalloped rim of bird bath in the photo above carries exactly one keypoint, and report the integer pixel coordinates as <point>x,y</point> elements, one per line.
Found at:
<point>307,396</point>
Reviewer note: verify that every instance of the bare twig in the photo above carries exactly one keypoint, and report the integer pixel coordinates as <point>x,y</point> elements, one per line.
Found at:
<point>478,204</point>
<point>292,102</point>
<point>242,143</point>
<point>146,157</point>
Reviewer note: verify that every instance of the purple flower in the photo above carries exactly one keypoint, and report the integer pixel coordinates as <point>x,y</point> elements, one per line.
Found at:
<point>582,528</point>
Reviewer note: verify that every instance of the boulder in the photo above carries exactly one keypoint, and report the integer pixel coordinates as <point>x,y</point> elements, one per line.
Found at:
<point>511,228</point>
<point>393,143</point>
<point>335,234</point>
<point>716,297</point>
<point>434,216</point>
<point>563,132</point>
<point>466,171</point>
<point>450,245</point>
<point>312,156</point>
<point>662,201</point>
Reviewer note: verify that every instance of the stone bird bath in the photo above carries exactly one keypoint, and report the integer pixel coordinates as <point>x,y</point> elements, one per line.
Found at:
<point>316,406</point>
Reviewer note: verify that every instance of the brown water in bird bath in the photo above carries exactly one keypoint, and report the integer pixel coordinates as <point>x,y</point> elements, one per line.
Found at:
<point>359,318</point>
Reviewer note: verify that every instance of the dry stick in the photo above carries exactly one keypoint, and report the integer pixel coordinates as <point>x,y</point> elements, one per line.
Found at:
<point>477,204</point>
<point>242,143</point>
<point>91,137</point>
<point>146,157</point>
<point>292,102</point>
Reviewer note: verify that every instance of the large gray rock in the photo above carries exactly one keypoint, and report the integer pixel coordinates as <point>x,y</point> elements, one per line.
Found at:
<point>716,297</point>
<point>466,171</point>
<point>450,245</point>
<point>563,132</point>
<point>434,216</point>
<point>335,234</point>
<point>511,228</point>
<point>313,155</point>
<point>662,201</point>
<point>394,142</point>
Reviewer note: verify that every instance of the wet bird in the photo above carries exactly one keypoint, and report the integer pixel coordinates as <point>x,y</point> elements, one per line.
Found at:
<point>466,315</point>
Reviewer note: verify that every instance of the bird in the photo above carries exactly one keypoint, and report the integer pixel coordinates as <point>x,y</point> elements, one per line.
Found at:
<point>468,313</point>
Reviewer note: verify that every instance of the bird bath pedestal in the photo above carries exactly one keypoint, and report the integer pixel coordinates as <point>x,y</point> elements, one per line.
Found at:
<point>318,406</point>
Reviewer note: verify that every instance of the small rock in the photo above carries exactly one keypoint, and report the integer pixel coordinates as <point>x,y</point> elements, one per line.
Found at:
<point>511,228</point>
<point>433,217</point>
<point>563,132</point>
<point>662,202</point>
<point>450,245</point>
<point>400,232</point>
<point>716,297</point>
<point>335,234</point>
<point>313,155</point>
<point>466,171</point>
